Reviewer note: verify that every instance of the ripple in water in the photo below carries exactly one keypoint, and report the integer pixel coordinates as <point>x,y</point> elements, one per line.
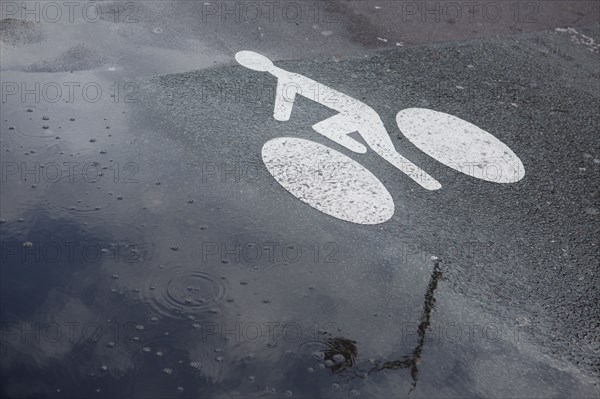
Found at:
<point>336,353</point>
<point>118,359</point>
<point>31,122</point>
<point>77,209</point>
<point>180,293</point>
<point>312,348</point>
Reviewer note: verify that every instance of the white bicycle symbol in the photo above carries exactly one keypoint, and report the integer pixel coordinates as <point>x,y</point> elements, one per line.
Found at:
<point>356,195</point>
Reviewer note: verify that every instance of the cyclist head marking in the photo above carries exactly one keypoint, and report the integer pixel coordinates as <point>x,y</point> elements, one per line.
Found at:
<point>254,61</point>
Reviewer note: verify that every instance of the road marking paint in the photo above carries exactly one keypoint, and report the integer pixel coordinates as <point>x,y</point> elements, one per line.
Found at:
<point>355,194</point>
<point>580,38</point>
<point>353,116</point>
<point>348,192</point>
<point>460,145</point>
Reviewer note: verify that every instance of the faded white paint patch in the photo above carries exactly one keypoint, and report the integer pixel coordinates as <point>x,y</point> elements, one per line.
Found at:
<point>460,145</point>
<point>580,38</point>
<point>328,180</point>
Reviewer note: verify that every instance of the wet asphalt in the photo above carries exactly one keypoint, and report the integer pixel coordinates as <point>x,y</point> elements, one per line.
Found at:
<point>476,290</point>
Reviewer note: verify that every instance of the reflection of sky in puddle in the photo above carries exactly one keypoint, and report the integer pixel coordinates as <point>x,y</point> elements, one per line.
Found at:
<point>153,297</point>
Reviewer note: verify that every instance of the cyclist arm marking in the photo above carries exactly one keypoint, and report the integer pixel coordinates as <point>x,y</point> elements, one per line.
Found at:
<point>285,96</point>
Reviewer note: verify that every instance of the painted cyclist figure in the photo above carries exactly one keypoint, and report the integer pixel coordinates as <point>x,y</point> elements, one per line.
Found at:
<point>353,116</point>
<point>452,141</point>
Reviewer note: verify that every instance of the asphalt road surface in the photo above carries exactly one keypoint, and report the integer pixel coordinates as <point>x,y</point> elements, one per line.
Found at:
<point>147,251</point>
